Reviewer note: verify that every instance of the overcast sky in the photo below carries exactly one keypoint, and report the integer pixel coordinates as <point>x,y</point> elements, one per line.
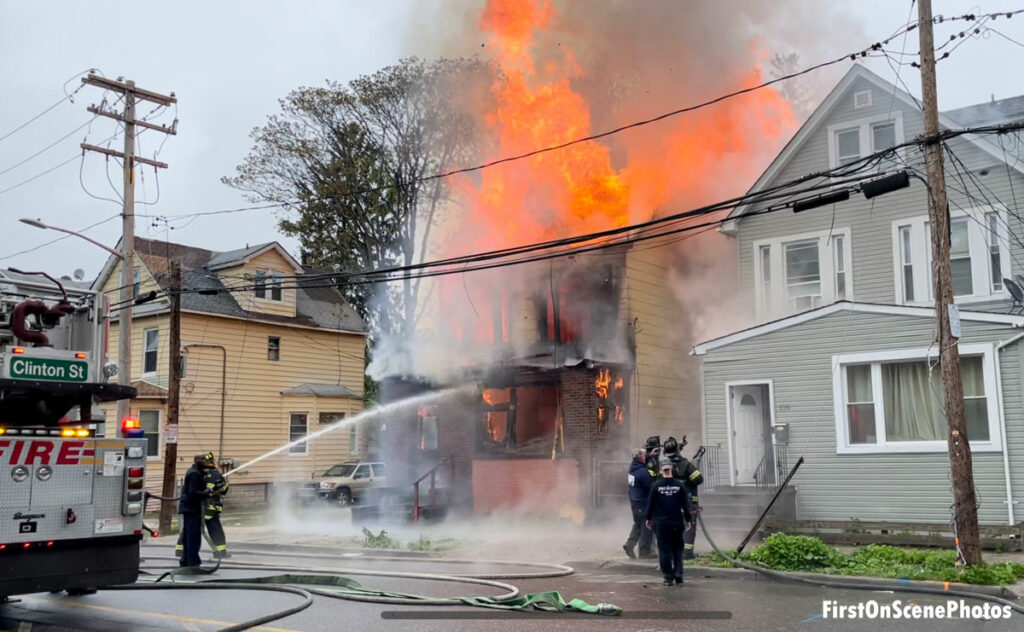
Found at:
<point>229,62</point>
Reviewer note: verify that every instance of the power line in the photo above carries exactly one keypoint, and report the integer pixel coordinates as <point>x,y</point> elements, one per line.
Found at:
<point>48,147</point>
<point>67,97</point>
<point>38,175</point>
<point>53,241</point>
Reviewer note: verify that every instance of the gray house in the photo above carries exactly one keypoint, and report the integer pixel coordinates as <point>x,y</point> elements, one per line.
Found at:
<point>838,365</point>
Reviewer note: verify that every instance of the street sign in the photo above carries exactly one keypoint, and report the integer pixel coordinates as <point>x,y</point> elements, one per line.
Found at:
<point>51,369</point>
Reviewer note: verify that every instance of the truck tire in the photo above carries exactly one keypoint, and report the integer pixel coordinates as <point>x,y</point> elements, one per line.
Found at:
<point>344,497</point>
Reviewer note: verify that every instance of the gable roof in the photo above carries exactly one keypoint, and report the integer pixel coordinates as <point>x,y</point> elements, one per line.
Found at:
<point>316,304</point>
<point>847,306</point>
<point>237,257</point>
<point>821,115</point>
<point>992,113</point>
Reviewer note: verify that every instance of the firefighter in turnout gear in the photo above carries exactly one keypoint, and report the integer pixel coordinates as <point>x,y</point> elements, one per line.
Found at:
<point>217,485</point>
<point>687,472</point>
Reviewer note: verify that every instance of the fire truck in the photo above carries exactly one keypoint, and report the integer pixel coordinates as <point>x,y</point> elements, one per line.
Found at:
<point>71,499</point>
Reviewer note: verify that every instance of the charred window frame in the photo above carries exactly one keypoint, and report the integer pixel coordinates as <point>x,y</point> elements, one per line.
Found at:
<point>519,420</point>
<point>581,304</point>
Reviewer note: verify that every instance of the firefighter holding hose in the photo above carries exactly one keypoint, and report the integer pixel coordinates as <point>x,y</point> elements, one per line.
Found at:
<point>217,486</point>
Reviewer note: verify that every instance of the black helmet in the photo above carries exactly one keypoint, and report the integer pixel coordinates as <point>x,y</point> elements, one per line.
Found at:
<point>671,447</point>
<point>653,442</point>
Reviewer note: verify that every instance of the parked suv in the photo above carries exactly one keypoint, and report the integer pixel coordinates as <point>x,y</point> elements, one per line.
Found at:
<point>347,482</point>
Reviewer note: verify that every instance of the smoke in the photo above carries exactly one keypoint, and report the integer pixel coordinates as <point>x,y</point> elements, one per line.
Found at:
<point>565,69</point>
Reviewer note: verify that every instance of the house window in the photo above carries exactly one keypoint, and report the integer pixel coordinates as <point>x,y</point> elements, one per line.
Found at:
<point>765,261</point>
<point>519,421</point>
<point>802,272</point>
<point>840,265</point>
<point>275,287</point>
<point>150,422</point>
<point>329,419</point>
<point>893,401</point>
<point>260,284</point>
<point>298,427</point>
<point>979,256</point>
<point>151,342</point>
<point>136,281</point>
<point>274,348</point>
<point>995,258</point>
<point>848,146</point>
<point>906,264</point>
<point>849,142</point>
<point>803,275</point>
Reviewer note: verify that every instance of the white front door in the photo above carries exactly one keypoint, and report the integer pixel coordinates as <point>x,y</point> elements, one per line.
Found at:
<point>748,420</point>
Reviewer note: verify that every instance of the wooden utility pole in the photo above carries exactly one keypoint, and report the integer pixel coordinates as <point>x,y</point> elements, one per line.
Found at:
<point>964,499</point>
<point>173,398</point>
<point>132,94</point>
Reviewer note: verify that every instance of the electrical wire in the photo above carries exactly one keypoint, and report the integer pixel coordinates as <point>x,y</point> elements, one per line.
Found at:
<point>48,147</point>
<point>67,97</point>
<point>61,238</point>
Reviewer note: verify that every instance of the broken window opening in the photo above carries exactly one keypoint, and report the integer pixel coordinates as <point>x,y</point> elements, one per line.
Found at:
<point>519,420</point>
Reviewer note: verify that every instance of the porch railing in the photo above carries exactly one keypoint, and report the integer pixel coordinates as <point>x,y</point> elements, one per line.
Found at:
<point>432,490</point>
<point>771,469</point>
<point>710,466</point>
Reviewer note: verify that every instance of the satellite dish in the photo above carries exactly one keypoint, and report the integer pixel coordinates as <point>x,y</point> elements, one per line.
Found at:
<point>79,274</point>
<point>1015,290</point>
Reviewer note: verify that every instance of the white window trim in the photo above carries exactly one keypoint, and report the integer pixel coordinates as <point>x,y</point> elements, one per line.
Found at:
<point>776,304</point>
<point>159,434</point>
<point>977,235</point>
<point>305,446</point>
<point>993,395</point>
<point>353,439</point>
<point>864,126</point>
<point>145,334</point>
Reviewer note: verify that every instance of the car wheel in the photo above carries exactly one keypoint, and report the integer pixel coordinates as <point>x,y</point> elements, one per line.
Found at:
<point>344,497</point>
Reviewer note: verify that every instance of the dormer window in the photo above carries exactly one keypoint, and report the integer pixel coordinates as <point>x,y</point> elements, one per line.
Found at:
<point>801,272</point>
<point>267,285</point>
<point>850,142</point>
<point>260,284</point>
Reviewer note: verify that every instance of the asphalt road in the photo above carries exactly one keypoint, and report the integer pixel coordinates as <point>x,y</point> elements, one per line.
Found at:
<point>743,602</point>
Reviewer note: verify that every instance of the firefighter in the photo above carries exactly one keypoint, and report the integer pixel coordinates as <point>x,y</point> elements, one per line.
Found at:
<point>639,480</point>
<point>669,513</point>
<point>687,472</point>
<point>190,506</point>
<point>217,486</point>
<point>653,450</point>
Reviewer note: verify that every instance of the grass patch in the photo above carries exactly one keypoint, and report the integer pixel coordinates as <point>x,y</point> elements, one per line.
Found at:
<point>805,553</point>
<point>380,540</point>
<point>423,544</point>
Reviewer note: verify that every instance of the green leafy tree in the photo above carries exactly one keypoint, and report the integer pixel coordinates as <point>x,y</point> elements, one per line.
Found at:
<point>350,159</point>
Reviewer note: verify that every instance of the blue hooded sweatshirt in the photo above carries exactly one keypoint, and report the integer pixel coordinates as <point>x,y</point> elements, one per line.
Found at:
<point>640,481</point>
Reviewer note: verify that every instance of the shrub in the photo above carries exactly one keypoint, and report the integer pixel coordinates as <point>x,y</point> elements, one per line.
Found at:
<point>378,541</point>
<point>795,553</point>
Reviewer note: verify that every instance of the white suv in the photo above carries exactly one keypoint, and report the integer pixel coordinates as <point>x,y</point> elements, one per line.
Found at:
<point>346,482</point>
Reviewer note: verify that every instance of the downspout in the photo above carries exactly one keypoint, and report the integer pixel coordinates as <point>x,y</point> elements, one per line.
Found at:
<point>223,390</point>
<point>1002,425</point>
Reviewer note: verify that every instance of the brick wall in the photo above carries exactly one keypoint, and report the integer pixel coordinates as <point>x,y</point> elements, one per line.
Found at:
<point>527,485</point>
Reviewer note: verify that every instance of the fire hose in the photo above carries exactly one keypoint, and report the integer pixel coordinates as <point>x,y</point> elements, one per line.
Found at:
<point>856,584</point>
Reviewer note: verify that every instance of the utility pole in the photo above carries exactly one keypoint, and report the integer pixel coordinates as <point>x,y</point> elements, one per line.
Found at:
<point>961,468</point>
<point>131,95</point>
<point>173,399</point>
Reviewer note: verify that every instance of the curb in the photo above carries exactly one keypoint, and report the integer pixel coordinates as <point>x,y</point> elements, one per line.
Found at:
<point>1006,592</point>
<point>257,547</point>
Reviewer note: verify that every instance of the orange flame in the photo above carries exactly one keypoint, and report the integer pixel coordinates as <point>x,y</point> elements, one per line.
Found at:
<point>604,379</point>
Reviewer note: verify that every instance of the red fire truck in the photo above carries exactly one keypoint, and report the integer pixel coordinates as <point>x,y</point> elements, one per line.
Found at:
<point>71,501</point>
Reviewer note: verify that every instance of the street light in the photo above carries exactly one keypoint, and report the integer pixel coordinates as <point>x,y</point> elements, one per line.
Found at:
<point>124,355</point>
<point>39,224</point>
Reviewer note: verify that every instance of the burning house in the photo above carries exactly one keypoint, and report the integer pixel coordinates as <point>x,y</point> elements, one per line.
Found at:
<point>571,362</point>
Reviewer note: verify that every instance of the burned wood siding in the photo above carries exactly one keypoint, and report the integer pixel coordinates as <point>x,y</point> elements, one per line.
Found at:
<point>831,486</point>
<point>665,393</point>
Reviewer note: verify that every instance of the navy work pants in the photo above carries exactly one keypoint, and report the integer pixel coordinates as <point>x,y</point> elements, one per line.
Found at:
<point>670,549</point>
<point>639,532</point>
<point>192,536</point>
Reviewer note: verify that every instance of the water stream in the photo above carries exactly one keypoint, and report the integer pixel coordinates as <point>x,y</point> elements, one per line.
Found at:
<point>393,407</point>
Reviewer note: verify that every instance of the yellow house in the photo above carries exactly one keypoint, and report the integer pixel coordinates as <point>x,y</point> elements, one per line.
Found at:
<point>269,355</point>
